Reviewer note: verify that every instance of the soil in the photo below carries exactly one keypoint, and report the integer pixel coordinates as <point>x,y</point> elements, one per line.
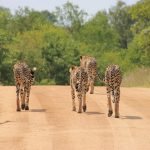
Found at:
<point>50,124</point>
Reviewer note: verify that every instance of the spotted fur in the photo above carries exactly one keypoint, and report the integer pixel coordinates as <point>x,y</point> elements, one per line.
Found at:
<point>79,84</point>
<point>113,80</point>
<point>24,78</point>
<point>90,65</point>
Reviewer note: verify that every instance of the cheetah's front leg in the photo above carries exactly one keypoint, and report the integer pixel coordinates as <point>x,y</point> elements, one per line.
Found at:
<point>117,99</point>
<point>17,100</point>
<point>110,111</point>
<point>27,99</point>
<point>23,99</point>
<point>80,102</point>
<point>84,102</point>
<point>91,87</point>
<point>73,100</point>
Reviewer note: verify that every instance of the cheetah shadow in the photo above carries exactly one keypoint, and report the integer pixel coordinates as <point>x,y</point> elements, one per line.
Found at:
<point>131,117</point>
<point>94,113</point>
<point>1,123</point>
<point>37,110</point>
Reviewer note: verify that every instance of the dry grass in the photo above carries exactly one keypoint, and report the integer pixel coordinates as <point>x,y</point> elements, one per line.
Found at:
<point>139,77</point>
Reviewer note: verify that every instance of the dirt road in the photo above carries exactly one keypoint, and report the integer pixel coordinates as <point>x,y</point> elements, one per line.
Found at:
<point>51,125</point>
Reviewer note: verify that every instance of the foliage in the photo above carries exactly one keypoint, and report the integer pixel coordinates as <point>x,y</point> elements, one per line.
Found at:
<point>54,41</point>
<point>98,33</point>
<point>139,53</point>
<point>120,19</point>
<point>59,54</point>
<point>141,15</point>
<point>70,16</point>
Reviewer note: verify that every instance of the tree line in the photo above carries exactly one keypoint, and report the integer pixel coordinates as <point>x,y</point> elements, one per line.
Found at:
<point>53,41</point>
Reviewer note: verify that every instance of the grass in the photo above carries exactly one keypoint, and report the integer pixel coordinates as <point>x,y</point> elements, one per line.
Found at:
<point>140,77</point>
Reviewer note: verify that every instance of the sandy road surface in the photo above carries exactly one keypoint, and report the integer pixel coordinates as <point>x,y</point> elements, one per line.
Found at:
<point>51,125</point>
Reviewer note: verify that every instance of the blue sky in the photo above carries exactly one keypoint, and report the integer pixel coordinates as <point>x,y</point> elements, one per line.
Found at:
<point>90,6</point>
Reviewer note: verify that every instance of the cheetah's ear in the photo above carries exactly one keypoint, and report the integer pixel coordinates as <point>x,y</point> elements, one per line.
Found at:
<point>80,57</point>
<point>71,68</point>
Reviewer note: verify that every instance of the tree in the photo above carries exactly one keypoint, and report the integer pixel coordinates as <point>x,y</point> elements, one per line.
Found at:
<point>59,53</point>
<point>121,21</point>
<point>70,16</point>
<point>4,53</point>
<point>27,20</point>
<point>5,17</point>
<point>98,33</point>
<point>48,16</point>
<point>140,13</point>
<point>139,50</point>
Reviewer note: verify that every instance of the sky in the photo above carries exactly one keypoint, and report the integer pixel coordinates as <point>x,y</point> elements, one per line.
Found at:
<point>90,6</point>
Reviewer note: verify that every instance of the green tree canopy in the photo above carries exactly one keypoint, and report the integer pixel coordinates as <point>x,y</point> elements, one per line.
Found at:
<point>140,13</point>
<point>120,19</point>
<point>139,53</point>
<point>70,16</point>
<point>98,33</point>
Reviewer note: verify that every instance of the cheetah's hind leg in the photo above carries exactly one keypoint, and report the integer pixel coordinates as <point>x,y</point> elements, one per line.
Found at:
<point>26,107</point>
<point>84,108</point>
<point>22,106</point>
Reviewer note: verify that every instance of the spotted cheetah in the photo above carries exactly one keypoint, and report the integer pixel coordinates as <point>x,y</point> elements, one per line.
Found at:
<point>113,80</point>
<point>90,64</point>
<point>79,84</point>
<point>24,78</point>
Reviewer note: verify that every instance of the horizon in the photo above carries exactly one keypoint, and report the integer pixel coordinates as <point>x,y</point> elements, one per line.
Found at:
<point>91,7</point>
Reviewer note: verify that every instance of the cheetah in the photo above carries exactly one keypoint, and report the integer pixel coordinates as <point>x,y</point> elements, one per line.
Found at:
<point>79,84</point>
<point>90,64</point>
<point>113,80</point>
<point>24,77</point>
